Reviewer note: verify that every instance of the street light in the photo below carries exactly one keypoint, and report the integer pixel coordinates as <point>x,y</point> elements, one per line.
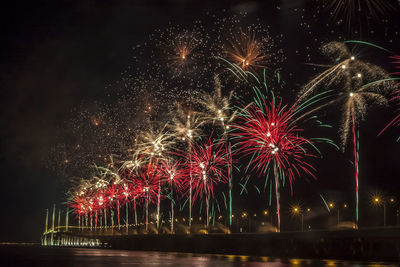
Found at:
<point>332,206</point>
<point>377,201</point>
<point>296,210</point>
<point>244,216</point>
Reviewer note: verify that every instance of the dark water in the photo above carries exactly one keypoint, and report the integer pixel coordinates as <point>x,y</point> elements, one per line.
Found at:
<point>39,256</point>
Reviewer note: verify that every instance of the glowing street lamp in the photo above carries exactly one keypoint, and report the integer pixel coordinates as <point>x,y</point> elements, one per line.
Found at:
<point>332,206</point>
<point>296,210</point>
<point>338,212</point>
<point>378,201</point>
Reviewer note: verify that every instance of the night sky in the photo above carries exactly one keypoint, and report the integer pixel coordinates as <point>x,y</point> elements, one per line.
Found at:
<point>54,57</point>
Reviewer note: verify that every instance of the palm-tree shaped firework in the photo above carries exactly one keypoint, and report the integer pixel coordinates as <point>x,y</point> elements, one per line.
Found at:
<point>208,161</point>
<point>156,144</point>
<point>78,200</point>
<point>220,112</point>
<point>268,133</point>
<point>173,174</point>
<point>186,126</point>
<point>113,195</point>
<point>147,186</point>
<point>361,84</point>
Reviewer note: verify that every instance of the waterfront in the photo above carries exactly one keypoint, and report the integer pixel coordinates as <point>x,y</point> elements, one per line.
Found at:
<point>46,256</point>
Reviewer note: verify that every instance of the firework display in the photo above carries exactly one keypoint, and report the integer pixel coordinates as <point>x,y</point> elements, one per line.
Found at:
<point>204,115</point>
<point>207,169</point>
<point>267,134</point>
<point>220,112</point>
<point>361,85</point>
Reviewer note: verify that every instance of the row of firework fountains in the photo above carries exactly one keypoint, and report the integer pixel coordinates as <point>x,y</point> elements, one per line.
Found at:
<point>175,163</point>
<point>158,170</point>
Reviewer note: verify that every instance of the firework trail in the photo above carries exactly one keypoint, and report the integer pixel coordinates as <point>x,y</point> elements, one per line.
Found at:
<point>78,202</point>
<point>110,177</point>
<point>207,166</point>
<point>126,192</point>
<point>184,60</point>
<point>154,147</point>
<point>103,178</point>
<point>173,174</point>
<point>219,111</point>
<point>187,126</point>
<point>267,133</point>
<point>113,195</point>
<point>147,186</point>
<point>81,200</point>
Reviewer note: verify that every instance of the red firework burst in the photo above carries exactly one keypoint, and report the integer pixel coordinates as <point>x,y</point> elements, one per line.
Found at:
<point>173,173</point>
<point>113,194</point>
<point>208,167</point>
<point>100,200</point>
<point>396,61</point>
<point>80,205</point>
<point>124,189</point>
<point>127,191</point>
<point>269,135</point>
<point>147,186</point>
<point>147,182</point>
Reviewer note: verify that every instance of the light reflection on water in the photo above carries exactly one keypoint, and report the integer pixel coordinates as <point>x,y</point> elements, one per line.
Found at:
<point>39,256</point>
<point>124,257</point>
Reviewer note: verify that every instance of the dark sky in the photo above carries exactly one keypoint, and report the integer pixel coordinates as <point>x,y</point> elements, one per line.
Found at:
<point>55,56</point>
